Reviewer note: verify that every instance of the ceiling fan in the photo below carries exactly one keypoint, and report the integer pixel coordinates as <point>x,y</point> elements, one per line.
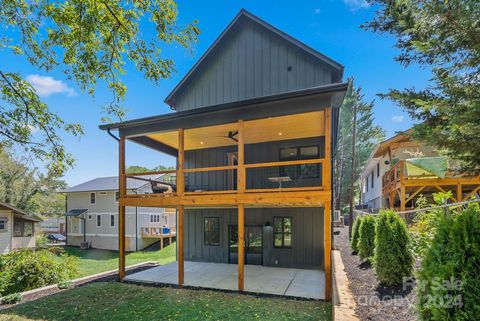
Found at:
<point>231,135</point>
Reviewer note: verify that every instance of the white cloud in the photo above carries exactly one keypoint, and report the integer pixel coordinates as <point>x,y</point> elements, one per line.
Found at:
<point>46,86</point>
<point>398,118</point>
<point>317,11</point>
<point>356,4</point>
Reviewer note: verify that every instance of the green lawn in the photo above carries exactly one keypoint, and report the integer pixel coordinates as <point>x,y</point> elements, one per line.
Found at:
<point>93,261</point>
<point>118,301</point>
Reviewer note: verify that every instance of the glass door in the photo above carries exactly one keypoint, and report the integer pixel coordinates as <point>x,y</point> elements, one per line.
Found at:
<point>253,244</point>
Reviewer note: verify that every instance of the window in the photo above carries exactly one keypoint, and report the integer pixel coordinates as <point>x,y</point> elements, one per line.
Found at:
<point>299,153</point>
<point>154,218</point>
<point>99,220</point>
<point>117,196</point>
<point>372,180</point>
<point>212,231</point>
<point>22,228</point>
<point>3,224</point>
<point>366,184</point>
<point>103,193</point>
<point>90,217</point>
<point>93,198</point>
<point>112,220</point>
<point>378,169</point>
<point>282,232</point>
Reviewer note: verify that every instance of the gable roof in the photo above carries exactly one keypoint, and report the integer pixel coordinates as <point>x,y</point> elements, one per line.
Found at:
<point>20,213</point>
<point>243,14</point>
<point>107,184</point>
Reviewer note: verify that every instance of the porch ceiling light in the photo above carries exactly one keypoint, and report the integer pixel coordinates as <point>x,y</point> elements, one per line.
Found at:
<point>280,134</point>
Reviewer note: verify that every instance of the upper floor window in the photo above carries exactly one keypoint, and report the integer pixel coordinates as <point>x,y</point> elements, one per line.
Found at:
<point>372,180</point>
<point>154,218</point>
<point>366,184</point>
<point>282,232</point>
<point>117,196</point>
<point>112,220</point>
<point>93,198</point>
<point>299,153</point>
<point>211,231</point>
<point>378,169</point>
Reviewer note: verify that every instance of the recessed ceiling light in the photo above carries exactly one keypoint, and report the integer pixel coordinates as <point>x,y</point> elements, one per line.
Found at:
<point>280,134</point>
<point>201,143</point>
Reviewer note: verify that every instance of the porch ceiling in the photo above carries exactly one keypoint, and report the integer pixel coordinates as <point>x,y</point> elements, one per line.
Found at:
<point>256,131</point>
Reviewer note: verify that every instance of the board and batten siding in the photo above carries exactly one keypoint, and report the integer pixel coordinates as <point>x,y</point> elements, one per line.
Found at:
<point>251,62</point>
<point>6,236</point>
<point>307,236</point>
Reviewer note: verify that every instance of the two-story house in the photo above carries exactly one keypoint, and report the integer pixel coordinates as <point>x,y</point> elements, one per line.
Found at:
<point>400,170</point>
<point>92,216</point>
<point>253,129</point>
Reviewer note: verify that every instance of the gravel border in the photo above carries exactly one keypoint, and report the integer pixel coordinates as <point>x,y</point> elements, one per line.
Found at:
<point>374,301</point>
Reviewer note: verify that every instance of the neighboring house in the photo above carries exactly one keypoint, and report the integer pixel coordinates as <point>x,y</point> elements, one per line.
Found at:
<point>53,225</point>
<point>92,216</point>
<point>400,170</point>
<point>253,131</point>
<point>17,229</point>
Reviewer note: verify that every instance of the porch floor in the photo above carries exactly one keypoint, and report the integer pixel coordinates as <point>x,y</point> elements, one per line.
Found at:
<point>308,284</point>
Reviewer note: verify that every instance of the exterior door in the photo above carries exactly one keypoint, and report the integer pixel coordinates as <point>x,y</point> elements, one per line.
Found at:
<point>253,244</point>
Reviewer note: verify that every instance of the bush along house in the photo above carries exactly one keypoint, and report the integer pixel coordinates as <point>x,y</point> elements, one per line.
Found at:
<point>253,132</point>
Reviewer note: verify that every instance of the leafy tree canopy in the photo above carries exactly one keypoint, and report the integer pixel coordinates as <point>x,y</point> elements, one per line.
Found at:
<point>27,188</point>
<point>134,169</point>
<point>445,36</point>
<point>91,42</point>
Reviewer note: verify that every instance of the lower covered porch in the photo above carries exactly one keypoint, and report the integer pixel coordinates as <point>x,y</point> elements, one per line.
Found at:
<point>290,282</point>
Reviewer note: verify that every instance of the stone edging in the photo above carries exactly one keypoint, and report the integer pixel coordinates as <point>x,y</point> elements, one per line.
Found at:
<point>343,302</point>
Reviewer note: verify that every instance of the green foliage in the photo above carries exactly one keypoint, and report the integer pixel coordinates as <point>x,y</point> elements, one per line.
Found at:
<point>393,259</point>
<point>91,43</point>
<point>12,298</point>
<point>368,135</point>
<point>28,188</point>
<point>356,233</point>
<point>142,169</point>
<point>443,36</point>
<point>25,270</point>
<point>366,240</point>
<point>41,241</point>
<point>448,283</point>
<point>65,285</point>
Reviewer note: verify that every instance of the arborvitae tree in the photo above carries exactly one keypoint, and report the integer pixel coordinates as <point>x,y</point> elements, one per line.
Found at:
<point>366,240</point>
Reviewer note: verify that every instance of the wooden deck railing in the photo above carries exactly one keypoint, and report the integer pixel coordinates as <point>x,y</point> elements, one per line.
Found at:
<point>240,184</point>
<point>393,176</point>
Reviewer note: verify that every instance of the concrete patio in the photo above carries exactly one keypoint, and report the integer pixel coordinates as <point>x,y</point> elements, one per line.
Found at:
<point>299,283</point>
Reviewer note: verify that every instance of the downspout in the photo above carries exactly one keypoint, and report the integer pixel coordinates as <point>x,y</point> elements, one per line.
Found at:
<point>84,229</point>
<point>136,229</point>
<point>114,137</point>
<point>66,219</point>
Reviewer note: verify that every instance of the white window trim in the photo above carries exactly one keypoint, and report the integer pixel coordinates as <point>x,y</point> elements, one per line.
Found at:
<point>114,221</point>
<point>96,220</point>
<point>5,224</point>
<point>90,196</point>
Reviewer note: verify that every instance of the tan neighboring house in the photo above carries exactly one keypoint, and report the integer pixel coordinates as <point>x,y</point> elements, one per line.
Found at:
<point>92,216</point>
<point>17,229</point>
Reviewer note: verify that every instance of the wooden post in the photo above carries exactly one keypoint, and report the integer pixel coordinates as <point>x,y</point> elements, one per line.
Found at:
<point>459,193</point>
<point>241,158</point>
<point>241,242</point>
<point>180,250</point>
<point>180,162</point>
<point>121,208</point>
<point>327,247</point>
<point>402,198</point>
<point>327,165</point>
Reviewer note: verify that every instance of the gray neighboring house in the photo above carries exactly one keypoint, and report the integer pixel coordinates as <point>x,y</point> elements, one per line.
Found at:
<point>92,216</point>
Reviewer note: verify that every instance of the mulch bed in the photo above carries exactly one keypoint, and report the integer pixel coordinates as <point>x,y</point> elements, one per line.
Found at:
<point>374,301</point>
<point>113,276</point>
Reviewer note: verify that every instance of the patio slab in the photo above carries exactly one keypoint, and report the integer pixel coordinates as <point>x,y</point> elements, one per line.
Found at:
<point>300,283</point>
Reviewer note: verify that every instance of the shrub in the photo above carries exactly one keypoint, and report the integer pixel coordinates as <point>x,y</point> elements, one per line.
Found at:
<point>57,250</point>
<point>449,271</point>
<point>65,285</point>
<point>393,259</point>
<point>25,270</point>
<point>12,298</point>
<point>41,241</point>
<point>366,240</point>
<point>355,233</point>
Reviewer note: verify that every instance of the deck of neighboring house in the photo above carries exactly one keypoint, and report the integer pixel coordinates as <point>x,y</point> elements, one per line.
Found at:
<point>297,283</point>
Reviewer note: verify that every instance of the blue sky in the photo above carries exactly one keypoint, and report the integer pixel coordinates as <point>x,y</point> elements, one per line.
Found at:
<point>329,26</point>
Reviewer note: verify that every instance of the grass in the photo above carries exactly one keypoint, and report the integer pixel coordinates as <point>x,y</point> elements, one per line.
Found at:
<point>119,301</point>
<point>94,261</point>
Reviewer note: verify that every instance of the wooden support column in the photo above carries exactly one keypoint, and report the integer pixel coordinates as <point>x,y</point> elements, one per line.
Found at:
<point>327,165</point>
<point>181,208</point>
<point>180,246</point>
<point>327,247</point>
<point>241,179</point>
<point>402,198</point>
<point>241,242</point>
<point>121,208</point>
<point>459,193</point>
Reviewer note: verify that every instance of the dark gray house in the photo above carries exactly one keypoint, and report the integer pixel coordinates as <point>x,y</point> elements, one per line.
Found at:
<point>253,132</point>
